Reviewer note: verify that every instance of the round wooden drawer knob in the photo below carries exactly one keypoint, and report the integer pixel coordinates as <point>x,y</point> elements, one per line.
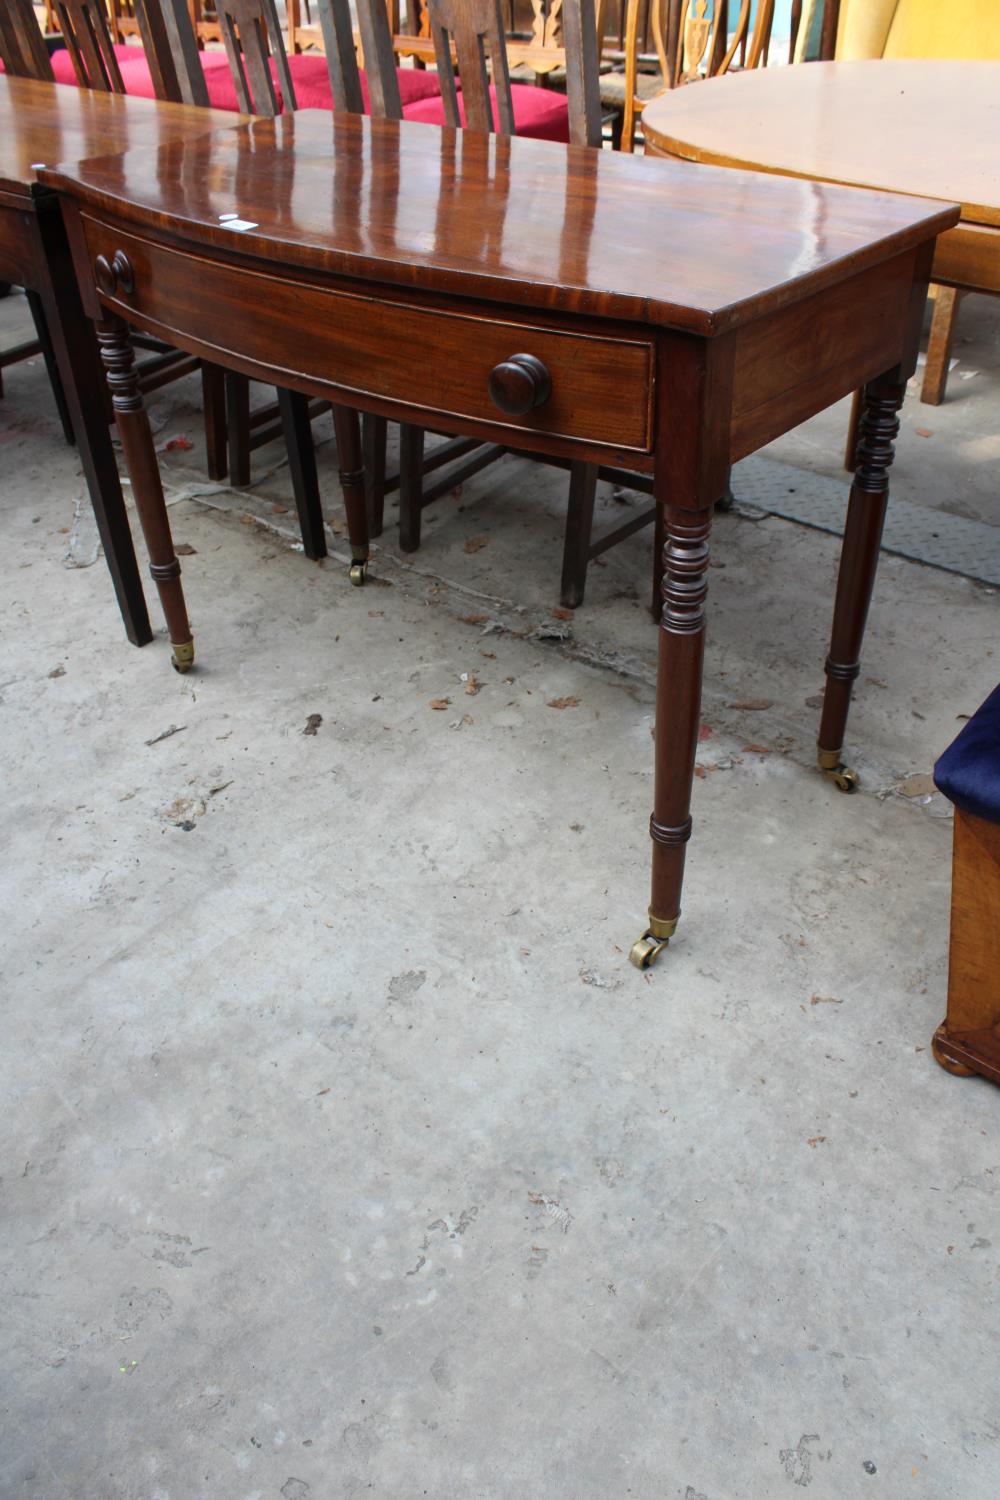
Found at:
<point>520,384</point>
<point>114,275</point>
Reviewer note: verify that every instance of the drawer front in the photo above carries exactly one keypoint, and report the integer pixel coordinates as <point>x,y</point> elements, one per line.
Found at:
<point>593,388</point>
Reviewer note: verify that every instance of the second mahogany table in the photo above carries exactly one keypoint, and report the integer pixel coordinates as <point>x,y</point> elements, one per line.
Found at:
<point>906,126</point>
<point>42,124</point>
<point>580,303</point>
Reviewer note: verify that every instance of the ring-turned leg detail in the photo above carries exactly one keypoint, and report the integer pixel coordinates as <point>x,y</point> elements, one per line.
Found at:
<point>678,705</point>
<point>147,489</point>
<point>866,510</point>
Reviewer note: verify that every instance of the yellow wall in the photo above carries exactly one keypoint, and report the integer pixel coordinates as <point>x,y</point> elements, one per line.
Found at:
<point>919,28</point>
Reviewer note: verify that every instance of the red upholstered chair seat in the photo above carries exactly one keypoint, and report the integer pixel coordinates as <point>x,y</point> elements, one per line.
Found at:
<point>539,113</point>
<point>309,75</point>
<point>215,66</point>
<point>62,63</point>
<point>312,83</point>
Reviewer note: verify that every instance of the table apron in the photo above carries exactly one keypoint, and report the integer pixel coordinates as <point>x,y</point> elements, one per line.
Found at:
<point>419,359</point>
<point>801,360</point>
<point>968,256</point>
<point>19,246</point>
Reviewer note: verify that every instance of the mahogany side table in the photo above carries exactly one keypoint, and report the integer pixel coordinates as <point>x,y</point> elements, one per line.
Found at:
<point>486,286</point>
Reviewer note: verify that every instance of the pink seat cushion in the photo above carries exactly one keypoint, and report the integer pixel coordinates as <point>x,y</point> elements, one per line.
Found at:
<point>539,113</point>
<point>312,83</point>
<point>309,75</point>
<point>215,66</point>
<point>62,63</point>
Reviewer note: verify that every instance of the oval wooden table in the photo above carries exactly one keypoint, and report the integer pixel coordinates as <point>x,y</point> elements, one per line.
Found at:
<point>924,128</point>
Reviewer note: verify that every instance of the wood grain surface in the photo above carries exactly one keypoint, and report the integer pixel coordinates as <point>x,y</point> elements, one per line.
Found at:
<point>511,220</point>
<point>49,123</point>
<point>923,127</point>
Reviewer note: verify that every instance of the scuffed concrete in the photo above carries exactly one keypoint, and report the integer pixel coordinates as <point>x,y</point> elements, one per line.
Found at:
<point>345,1153</point>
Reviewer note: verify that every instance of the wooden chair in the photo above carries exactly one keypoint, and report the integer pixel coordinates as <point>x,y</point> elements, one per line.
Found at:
<point>470,33</point>
<point>702,47</point>
<point>251,35</point>
<point>25,55</point>
<point>22,46</point>
<point>86,31</point>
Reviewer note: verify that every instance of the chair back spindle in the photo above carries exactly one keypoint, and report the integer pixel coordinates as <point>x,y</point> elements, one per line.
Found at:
<point>251,35</point>
<point>475,29</point>
<point>342,58</point>
<point>84,25</point>
<point>170,43</point>
<point>22,46</point>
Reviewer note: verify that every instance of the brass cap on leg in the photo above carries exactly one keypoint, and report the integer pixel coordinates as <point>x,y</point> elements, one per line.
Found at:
<point>183,656</point>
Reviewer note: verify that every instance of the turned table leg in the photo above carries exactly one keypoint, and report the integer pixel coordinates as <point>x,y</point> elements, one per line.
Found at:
<point>878,427</point>
<point>351,466</point>
<point>147,490</point>
<point>678,708</point>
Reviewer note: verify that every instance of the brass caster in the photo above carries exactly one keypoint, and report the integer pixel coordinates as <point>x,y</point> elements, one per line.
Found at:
<point>948,1063</point>
<point>844,778</point>
<point>182,659</point>
<point>359,571</point>
<point>647,950</point>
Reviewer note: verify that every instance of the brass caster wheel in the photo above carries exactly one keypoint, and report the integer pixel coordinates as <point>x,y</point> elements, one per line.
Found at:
<point>946,1062</point>
<point>183,658</point>
<point>647,950</point>
<point>844,778</point>
<point>359,571</point>
<point>653,941</point>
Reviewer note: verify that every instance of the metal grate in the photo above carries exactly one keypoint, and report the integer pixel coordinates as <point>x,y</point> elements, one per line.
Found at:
<point>933,537</point>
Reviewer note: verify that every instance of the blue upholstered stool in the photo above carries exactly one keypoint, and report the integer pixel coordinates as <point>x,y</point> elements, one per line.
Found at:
<point>968,773</point>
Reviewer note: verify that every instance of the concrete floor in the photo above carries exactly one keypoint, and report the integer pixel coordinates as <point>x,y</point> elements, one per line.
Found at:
<point>344,1152</point>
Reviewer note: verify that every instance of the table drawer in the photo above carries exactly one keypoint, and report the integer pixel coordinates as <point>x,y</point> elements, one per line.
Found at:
<point>595,388</point>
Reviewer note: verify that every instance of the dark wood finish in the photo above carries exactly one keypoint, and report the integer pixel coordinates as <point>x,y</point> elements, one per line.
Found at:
<point>171,47</point>
<point>916,104</point>
<point>251,36</point>
<point>511,236</point>
<point>84,25</point>
<point>41,122</point>
<point>140,458</point>
<point>968,1039</point>
<point>342,61</point>
<point>828,31</point>
<point>475,29</point>
<point>22,48</point>
<point>302,468</point>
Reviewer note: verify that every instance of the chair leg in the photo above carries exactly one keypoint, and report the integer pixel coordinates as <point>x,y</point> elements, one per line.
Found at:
<point>213,401</point>
<point>297,429</point>
<point>968,1041</point>
<point>350,461</point>
<point>854,421</point>
<point>49,355</point>
<point>579,529</point>
<point>373,437</point>
<point>411,462</point>
<point>659,541</point>
<point>946,305</point>
<point>238,425</point>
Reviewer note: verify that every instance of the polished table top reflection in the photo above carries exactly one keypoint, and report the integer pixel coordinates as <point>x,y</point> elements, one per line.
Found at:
<point>908,126</point>
<point>925,127</point>
<point>42,124</point>
<point>589,232</point>
<point>47,123</point>
<point>578,304</point>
